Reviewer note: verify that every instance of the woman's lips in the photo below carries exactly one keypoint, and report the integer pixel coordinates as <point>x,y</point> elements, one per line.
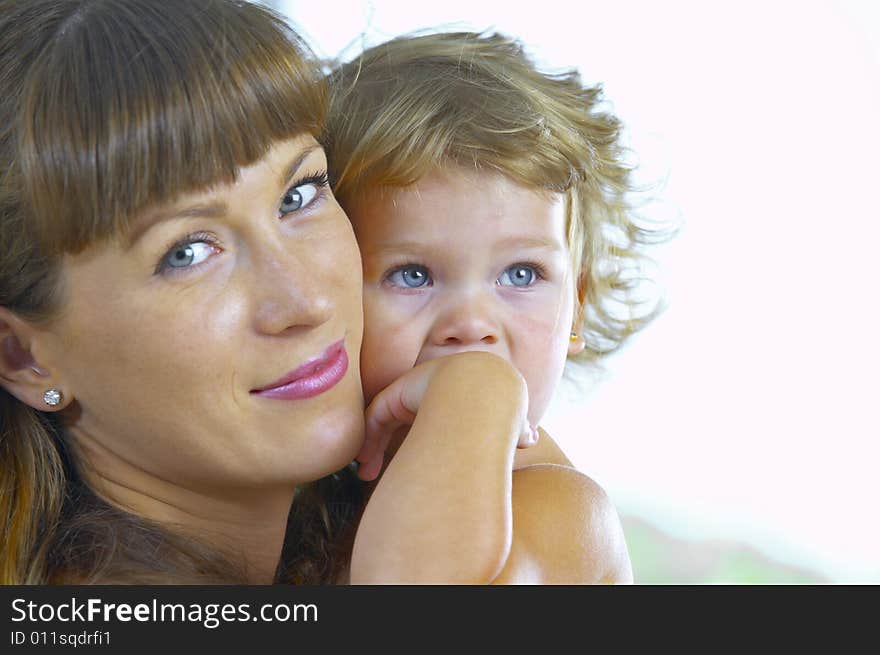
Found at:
<point>312,378</point>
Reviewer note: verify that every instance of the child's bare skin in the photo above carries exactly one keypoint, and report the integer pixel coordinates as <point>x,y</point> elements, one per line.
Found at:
<point>450,509</point>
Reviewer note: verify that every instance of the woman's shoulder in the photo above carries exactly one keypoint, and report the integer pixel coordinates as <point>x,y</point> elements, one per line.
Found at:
<point>566,530</point>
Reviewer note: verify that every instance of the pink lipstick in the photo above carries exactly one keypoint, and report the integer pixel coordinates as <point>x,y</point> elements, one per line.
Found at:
<point>310,379</point>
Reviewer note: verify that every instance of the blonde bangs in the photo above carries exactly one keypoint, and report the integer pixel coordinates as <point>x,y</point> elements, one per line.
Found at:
<point>389,130</point>
<point>122,112</point>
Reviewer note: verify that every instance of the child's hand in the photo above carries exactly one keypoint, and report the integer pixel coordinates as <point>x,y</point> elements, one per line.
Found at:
<point>397,405</point>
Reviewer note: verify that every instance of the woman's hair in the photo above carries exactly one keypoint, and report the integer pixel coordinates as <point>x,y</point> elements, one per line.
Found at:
<point>416,103</point>
<point>108,107</point>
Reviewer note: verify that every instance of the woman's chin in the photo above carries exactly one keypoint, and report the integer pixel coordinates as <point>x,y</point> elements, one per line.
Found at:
<point>333,444</point>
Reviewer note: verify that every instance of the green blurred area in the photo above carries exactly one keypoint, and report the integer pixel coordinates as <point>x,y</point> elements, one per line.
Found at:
<point>659,558</point>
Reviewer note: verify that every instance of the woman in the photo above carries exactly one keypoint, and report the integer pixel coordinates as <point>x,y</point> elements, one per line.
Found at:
<point>180,299</point>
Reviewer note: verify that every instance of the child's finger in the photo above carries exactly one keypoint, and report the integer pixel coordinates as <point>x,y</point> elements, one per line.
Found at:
<point>370,445</point>
<point>369,469</point>
<point>385,414</point>
<point>380,425</point>
<point>378,434</point>
<point>528,436</point>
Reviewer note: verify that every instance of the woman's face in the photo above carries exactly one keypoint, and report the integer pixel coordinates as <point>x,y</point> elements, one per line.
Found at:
<point>217,343</point>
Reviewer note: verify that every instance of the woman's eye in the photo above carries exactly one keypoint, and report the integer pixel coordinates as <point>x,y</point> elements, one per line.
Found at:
<point>518,275</point>
<point>185,255</point>
<point>298,197</point>
<point>411,277</point>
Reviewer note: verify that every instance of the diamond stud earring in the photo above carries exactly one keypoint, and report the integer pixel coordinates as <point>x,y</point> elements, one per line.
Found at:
<point>52,397</point>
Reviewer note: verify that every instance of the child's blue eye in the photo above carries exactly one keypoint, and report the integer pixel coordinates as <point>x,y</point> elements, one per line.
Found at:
<point>412,276</point>
<point>518,275</point>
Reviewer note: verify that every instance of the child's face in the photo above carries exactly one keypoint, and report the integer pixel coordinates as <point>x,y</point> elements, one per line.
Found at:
<point>465,260</point>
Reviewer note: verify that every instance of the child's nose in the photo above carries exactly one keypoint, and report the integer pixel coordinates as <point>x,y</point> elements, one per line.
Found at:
<point>465,322</point>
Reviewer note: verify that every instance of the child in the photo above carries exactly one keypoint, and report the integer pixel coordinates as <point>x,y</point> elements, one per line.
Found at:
<point>488,200</point>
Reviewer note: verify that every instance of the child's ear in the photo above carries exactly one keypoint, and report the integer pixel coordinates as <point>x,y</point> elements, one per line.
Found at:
<point>576,344</point>
<point>29,380</point>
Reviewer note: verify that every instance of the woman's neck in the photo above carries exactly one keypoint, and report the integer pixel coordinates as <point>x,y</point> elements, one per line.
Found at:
<point>246,525</point>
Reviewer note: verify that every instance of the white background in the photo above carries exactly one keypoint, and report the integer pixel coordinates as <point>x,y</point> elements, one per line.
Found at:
<point>748,411</point>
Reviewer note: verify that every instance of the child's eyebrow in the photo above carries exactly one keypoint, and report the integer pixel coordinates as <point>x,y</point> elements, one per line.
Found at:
<point>414,247</point>
<point>540,243</point>
<point>419,247</point>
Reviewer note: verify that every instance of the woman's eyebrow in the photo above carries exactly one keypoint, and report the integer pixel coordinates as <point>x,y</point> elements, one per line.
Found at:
<point>210,210</point>
<point>290,170</point>
<point>140,226</point>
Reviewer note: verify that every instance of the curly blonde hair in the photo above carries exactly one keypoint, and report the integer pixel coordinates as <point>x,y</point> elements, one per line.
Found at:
<point>475,100</point>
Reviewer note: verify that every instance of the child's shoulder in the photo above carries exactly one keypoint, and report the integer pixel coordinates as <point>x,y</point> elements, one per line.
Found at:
<point>566,531</point>
<point>546,451</point>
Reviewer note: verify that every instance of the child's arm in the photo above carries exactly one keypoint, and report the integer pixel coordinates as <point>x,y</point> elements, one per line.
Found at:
<point>544,452</point>
<point>442,510</point>
<point>565,531</point>
<point>446,509</point>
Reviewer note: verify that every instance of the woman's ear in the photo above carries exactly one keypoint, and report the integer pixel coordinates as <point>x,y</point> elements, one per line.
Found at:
<point>30,381</point>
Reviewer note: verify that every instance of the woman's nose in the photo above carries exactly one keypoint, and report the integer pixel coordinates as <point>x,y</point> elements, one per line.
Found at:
<point>466,321</point>
<point>290,293</point>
